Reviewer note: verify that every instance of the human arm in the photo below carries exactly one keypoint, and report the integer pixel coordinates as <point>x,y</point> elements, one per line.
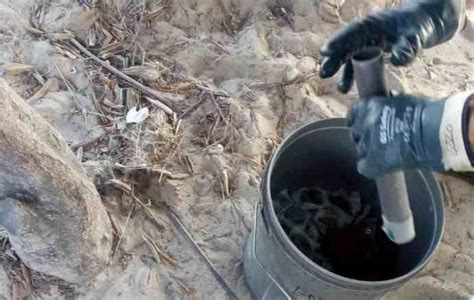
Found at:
<point>404,132</point>
<point>402,31</point>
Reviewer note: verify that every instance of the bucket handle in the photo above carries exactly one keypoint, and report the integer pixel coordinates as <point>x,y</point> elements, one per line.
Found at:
<point>264,220</point>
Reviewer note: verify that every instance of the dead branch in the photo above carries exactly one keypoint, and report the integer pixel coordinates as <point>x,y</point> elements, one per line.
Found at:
<point>225,285</point>
<point>158,104</point>
<point>166,102</point>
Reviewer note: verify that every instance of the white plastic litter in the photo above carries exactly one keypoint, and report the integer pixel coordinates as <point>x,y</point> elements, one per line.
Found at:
<point>137,116</point>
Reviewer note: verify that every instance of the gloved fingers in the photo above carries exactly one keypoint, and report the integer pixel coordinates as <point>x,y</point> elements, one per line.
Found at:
<point>364,118</point>
<point>339,49</point>
<point>367,165</point>
<point>402,53</point>
<point>371,168</point>
<point>356,136</point>
<point>405,50</point>
<point>347,78</point>
<point>330,66</point>
<point>362,148</point>
<point>363,144</point>
<point>353,112</point>
<point>348,40</point>
<point>364,168</point>
<point>415,43</point>
<point>356,120</point>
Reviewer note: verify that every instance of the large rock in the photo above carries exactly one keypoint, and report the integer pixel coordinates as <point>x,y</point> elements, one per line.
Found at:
<point>54,216</point>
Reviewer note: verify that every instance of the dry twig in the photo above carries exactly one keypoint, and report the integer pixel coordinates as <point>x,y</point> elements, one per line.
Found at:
<point>17,69</point>
<point>158,253</point>
<point>166,102</point>
<point>183,286</point>
<point>124,230</point>
<point>225,285</point>
<point>41,92</point>
<point>191,108</point>
<point>158,222</point>
<point>159,104</point>
<point>88,142</point>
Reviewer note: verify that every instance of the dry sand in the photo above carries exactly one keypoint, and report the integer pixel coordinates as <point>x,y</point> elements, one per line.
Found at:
<point>263,55</point>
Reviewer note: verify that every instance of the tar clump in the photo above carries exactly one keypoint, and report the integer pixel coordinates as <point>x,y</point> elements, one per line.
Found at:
<point>337,231</point>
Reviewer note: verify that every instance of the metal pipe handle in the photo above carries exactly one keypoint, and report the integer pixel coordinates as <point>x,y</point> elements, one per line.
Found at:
<point>397,217</point>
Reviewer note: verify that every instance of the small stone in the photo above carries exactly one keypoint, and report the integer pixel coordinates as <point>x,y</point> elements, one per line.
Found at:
<point>437,61</point>
<point>470,234</point>
<point>291,73</point>
<point>306,65</point>
<point>216,150</point>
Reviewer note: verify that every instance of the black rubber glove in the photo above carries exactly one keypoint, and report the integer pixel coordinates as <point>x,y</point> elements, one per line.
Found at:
<point>402,31</point>
<point>406,132</point>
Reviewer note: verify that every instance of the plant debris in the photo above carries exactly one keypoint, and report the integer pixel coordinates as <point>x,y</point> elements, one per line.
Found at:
<point>17,69</point>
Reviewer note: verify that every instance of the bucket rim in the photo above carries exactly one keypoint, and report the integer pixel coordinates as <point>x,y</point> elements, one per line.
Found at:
<point>309,265</point>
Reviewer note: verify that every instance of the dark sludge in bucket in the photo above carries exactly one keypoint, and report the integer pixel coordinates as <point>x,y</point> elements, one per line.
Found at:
<point>332,214</point>
<point>338,231</point>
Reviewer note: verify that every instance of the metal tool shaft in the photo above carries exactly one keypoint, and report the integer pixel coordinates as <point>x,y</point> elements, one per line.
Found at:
<point>370,78</point>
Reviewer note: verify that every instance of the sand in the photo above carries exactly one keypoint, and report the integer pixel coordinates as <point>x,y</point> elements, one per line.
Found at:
<point>263,54</point>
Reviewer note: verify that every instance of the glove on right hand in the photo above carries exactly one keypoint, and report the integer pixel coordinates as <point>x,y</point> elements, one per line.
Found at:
<point>405,132</point>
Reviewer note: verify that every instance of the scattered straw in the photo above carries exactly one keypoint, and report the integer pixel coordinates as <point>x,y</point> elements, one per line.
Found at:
<point>183,286</point>
<point>160,105</point>
<point>158,222</point>
<point>158,95</point>
<point>41,92</point>
<point>124,230</point>
<point>224,284</point>
<point>158,253</point>
<point>17,69</point>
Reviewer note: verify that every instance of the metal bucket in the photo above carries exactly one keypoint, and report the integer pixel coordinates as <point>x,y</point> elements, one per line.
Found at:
<point>322,154</point>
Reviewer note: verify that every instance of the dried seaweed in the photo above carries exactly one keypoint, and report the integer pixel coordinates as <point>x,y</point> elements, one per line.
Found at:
<point>339,231</point>
<point>308,215</point>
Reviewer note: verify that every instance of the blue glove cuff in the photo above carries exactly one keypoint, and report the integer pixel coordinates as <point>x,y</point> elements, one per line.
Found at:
<point>431,116</point>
